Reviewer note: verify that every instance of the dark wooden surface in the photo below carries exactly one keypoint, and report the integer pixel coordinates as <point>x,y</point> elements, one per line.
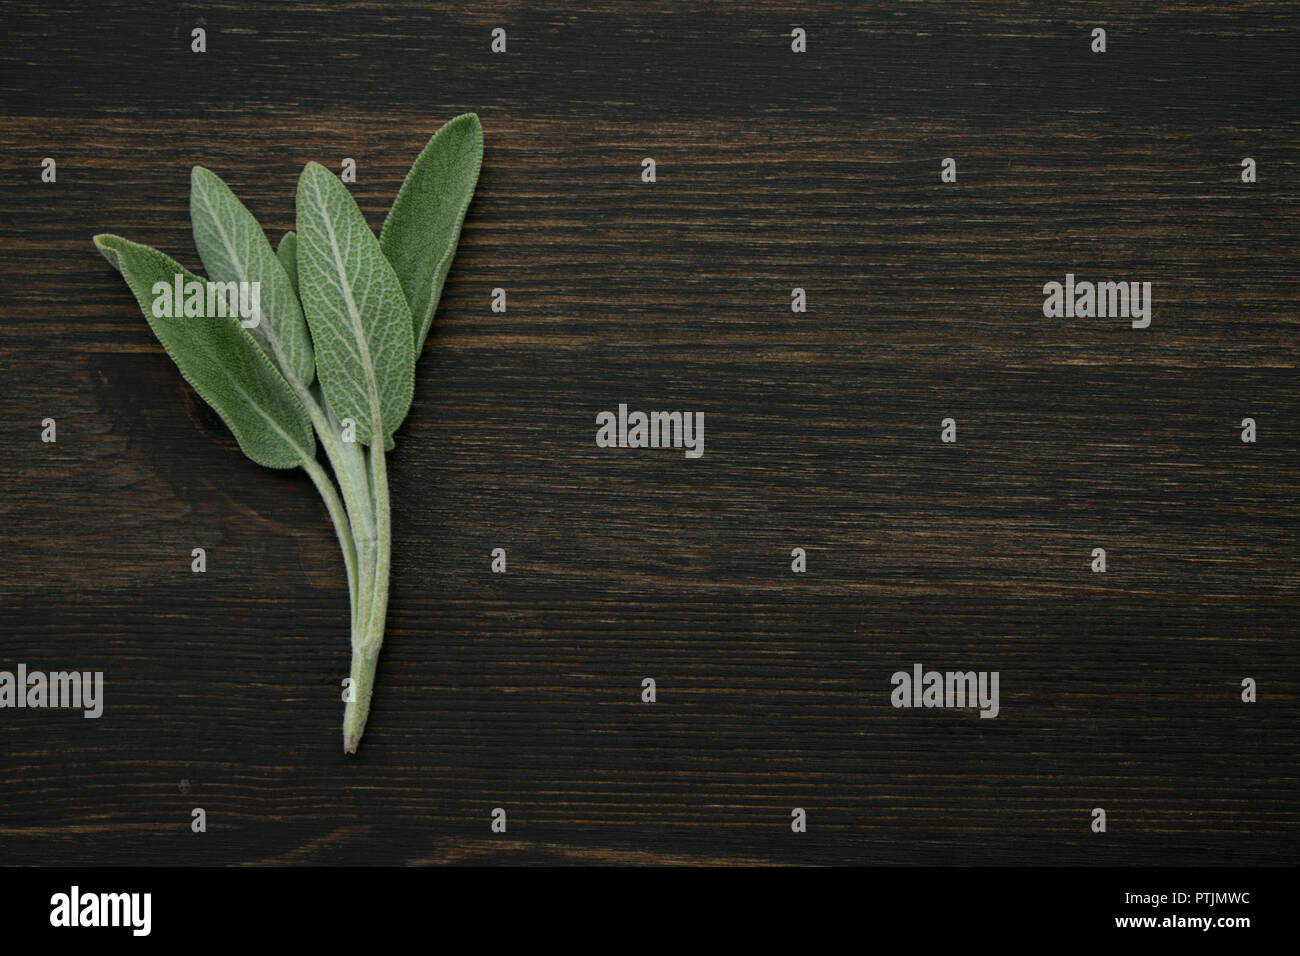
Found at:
<point>774,171</point>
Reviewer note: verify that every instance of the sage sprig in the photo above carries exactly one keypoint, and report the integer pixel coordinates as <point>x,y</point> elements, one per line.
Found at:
<point>328,353</point>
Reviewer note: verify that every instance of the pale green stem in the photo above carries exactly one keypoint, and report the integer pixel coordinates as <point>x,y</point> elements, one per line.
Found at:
<point>357,551</point>
<point>365,537</point>
<point>345,457</point>
<point>365,653</point>
<point>355,486</point>
<point>352,464</point>
<point>349,463</point>
<point>337,515</point>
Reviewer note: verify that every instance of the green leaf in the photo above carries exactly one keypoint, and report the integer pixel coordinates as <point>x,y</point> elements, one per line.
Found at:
<point>359,318</point>
<point>221,361</point>
<point>234,248</point>
<point>423,227</point>
<point>287,253</point>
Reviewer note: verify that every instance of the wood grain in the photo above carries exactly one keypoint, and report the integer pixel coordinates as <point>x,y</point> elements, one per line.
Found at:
<point>774,171</point>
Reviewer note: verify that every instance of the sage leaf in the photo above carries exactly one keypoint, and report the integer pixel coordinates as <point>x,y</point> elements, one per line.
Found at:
<point>219,358</point>
<point>287,253</point>
<point>423,227</point>
<point>358,315</point>
<point>234,248</point>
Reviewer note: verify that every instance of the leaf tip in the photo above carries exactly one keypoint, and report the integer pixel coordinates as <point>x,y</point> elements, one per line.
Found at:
<point>106,244</point>
<point>312,173</point>
<point>468,122</point>
<point>202,176</point>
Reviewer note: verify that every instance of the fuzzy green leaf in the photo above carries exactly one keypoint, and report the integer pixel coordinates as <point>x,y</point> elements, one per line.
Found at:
<point>287,253</point>
<point>223,363</point>
<point>423,227</point>
<point>234,248</point>
<point>358,315</point>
